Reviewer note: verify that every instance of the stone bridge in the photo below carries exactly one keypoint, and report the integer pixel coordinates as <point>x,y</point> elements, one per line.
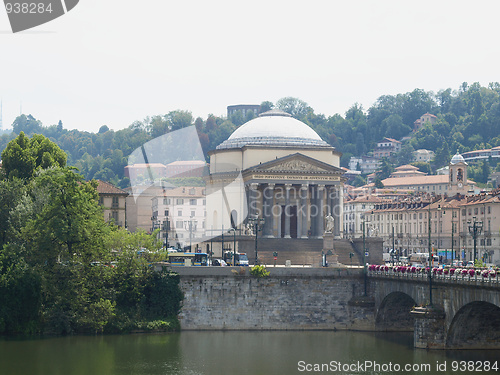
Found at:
<point>465,311</point>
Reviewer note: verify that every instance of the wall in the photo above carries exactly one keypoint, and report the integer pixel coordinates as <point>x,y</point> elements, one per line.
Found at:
<point>289,299</point>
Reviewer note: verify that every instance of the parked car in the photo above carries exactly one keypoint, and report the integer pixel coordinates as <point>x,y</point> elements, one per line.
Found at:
<point>219,262</point>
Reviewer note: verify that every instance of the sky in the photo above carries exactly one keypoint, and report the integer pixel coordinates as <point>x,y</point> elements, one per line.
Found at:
<point>112,62</point>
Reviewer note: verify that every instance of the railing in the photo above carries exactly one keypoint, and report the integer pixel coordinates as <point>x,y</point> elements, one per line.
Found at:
<point>457,276</point>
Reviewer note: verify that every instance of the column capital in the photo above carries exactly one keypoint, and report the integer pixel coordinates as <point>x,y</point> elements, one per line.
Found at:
<point>321,186</point>
<point>288,186</point>
<point>304,186</point>
<point>271,185</point>
<point>253,186</point>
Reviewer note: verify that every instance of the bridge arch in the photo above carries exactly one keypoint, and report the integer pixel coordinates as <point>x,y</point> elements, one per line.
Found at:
<point>475,325</point>
<point>393,313</point>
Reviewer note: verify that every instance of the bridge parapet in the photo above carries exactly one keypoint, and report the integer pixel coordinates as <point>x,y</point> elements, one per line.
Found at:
<point>476,278</point>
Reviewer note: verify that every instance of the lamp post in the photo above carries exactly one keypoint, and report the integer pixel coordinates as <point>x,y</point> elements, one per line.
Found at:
<point>188,225</point>
<point>166,228</point>
<point>430,254</point>
<point>234,245</point>
<point>452,236</point>
<point>257,225</point>
<point>439,229</point>
<point>475,228</point>
<point>364,253</point>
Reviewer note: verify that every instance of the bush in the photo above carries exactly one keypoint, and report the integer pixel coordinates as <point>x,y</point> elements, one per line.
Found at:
<point>259,271</point>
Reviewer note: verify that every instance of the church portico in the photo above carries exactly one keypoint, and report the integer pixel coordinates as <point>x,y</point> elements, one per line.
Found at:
<point>294,210</point>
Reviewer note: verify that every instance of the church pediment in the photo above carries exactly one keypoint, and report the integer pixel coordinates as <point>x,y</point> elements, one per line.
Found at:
<point>296,163</point>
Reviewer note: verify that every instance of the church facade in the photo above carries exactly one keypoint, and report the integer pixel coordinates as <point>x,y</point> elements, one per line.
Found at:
<point>276,169</point>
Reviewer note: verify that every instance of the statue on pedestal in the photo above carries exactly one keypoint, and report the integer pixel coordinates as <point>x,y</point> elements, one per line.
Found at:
<point>330,221</point>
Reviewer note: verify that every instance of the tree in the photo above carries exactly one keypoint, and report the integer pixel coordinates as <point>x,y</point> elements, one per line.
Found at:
<point>386,169</point>
<point>69,222</point>
<point>27,124</point>
<point>23,157</point>
<point>266,106</point>
<point>179,119</point>
<point>102,129</point>
<point>296,107</point>
<point>11,192</point>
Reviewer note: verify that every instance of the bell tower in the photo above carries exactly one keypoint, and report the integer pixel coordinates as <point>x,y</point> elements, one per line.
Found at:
<point>457,182</point>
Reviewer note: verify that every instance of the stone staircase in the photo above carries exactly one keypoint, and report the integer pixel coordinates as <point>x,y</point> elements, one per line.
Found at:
<point>305,252</point>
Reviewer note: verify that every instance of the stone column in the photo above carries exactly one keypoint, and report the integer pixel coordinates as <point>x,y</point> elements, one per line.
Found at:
<point>252,201</point>
<point>336,212</point>
<point>304,189</point>
<point>321,203</point>
<point>287,210</point>
<point>313,207</point>
<point>267,211</point>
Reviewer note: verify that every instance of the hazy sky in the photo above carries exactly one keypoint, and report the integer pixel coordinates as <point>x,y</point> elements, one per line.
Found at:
<point>116,61</point>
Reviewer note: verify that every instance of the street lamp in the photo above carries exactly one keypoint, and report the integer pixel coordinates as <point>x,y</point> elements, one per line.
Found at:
<point>364,253</point>
<point>166,228</point>
<point>475,228</point>
<point>234,245</point>
<point>188,225</point>
<point>257,225</point>
<point>430,253</point>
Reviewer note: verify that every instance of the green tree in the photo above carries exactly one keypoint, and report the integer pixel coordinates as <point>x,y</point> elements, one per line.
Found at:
<point>69,220</point>
<point>179,119</point>
<point>294,106</point>
<point>27,124</point>
<point>23,156</point>
<point>266,106</point>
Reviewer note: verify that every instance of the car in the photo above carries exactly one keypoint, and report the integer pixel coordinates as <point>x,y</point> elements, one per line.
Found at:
<point>219,262</point>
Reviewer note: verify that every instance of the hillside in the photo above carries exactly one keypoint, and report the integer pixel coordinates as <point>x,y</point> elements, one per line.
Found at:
<point>467,119</point>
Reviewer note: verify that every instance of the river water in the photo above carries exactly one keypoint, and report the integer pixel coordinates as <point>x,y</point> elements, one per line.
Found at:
<point>235,352</point>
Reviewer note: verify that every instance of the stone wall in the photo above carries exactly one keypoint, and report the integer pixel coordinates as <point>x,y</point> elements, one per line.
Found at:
<point>289,299</point>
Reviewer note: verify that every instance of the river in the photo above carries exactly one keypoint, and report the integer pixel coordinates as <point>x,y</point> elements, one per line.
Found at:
<point>235,352</point>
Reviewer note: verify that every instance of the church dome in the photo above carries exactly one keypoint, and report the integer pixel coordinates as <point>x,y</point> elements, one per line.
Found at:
<point>274,128</point>
<point>457,158</point>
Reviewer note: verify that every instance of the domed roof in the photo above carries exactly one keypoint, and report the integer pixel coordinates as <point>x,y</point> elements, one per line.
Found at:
<point>457,158</point>
<point>274,128</point>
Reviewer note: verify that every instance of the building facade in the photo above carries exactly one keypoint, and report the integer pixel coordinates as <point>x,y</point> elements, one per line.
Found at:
<point>113,202</point>
<point>179,213</point>
<point>386,147</point>
<point>283,174</point>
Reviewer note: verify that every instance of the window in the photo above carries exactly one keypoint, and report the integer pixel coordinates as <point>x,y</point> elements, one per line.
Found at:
<point>193,213</point>
<point>166,201</point>
<point>179,224</point>
<point>475,210</point>
<point>179,213</point>
<point>179,201</point>
<point>193,202</point>
<point>166,212</point>
<point>115,202</point>
<point>192,191</point>
<point>489,209</point>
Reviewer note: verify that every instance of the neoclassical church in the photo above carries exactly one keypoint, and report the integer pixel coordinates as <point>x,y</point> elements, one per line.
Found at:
<point>278,169</point>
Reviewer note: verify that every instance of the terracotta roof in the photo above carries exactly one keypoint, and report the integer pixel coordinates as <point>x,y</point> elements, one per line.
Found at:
<point>104,187</point>
<point>411,181</point>
<point>406,167</point>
